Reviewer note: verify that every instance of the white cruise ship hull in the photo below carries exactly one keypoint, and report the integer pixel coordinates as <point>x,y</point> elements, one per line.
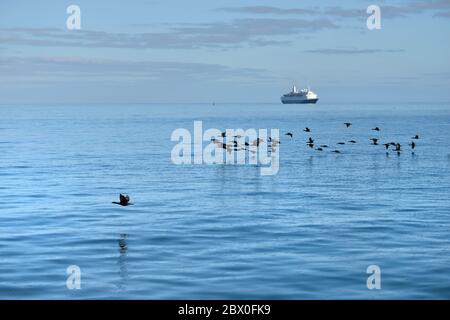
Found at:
<point>298,100</point>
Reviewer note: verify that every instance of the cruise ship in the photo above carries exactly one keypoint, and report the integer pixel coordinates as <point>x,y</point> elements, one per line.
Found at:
<point>302,96</point>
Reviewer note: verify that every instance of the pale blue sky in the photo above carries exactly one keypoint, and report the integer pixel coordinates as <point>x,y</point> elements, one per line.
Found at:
<point>224,51</point>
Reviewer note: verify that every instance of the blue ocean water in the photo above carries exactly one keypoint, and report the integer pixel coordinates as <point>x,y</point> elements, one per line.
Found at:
<point>223,231</point>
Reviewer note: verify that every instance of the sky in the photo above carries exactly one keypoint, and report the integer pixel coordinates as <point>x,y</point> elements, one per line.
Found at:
<point>200,51</point>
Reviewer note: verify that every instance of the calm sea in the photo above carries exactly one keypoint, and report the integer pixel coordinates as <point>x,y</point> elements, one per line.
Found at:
<point>223,231</point>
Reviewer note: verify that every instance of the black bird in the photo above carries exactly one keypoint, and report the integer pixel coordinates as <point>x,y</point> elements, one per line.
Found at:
<point>348,124</point>
<point>223,134</point>
<point>341,143</point>
<point>393,144</point>
<point>256,142</point>
<point>386,145</point>
<point>319,149</point>
<point>324,146</point>
<point>398,148</point>
<point>375,141</point>
<point>352,141</point>
<point>416,137</point>
<point>336,151</point>
<point>307,129</point>
<point>289,134</point>
<point>413,145</point>
<point>311,140</point>
<point>311,145</point>
<point>376,129</point>
<point>124,200</point>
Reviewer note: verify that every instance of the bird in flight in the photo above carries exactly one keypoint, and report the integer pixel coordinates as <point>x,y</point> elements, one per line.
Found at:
<point>289,134</point>
<point>124,200</point>
<point>275,142</point>
<point>257,142</point>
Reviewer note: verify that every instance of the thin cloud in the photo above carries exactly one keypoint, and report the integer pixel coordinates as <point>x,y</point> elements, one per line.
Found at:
<point>352,51</point>
<point>267,10</point>
<point>440,8</point>
<point>416,7</point>
<point>238,32</point>
<point>443,14</point>
<point>57,67</point>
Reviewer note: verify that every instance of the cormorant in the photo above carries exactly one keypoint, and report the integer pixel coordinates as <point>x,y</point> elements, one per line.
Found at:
<point>124,200</point>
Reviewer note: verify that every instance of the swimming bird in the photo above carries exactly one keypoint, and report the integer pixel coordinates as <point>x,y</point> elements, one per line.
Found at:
<point>398,148</point>
<point>336,151</point>
<point>375,141</point>
<point>386,145</point>
<point>319,149</point>
<point>348,124</point>
<point>124,200</point>
<point>352,141</point>
<point>415,137</point>
<point>289,134</point>
<point>311,145</point>
<point>413,145</point>
<point>307,129</point>
<point>341,143</point>
<point>310,140</point>
<point>223,134</point>
<point>376,129</point>
<point>324,146</point>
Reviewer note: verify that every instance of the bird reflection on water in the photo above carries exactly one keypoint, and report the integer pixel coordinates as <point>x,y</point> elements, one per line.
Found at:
<point>122,261</point>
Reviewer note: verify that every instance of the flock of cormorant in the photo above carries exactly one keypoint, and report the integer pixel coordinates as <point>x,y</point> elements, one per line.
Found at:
<point>124,200</point>
<point>397,146</point>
